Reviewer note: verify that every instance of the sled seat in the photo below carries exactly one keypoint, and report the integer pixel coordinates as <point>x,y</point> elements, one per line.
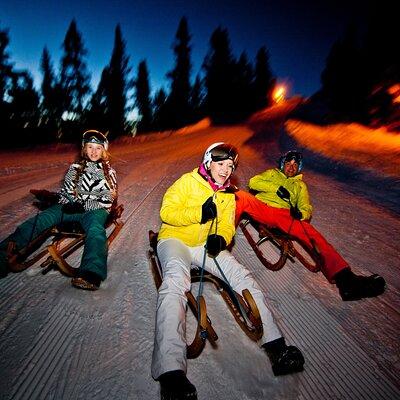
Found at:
<point>273,247</point>
<point>250,321</point>
<point>67,237</point>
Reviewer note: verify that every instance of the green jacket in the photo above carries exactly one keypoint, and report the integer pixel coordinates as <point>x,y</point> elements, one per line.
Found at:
<point>181,211</point>
<point>268,182</point>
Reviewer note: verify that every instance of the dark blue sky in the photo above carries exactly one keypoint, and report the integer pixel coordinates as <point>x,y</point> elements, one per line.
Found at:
<point>298,34</point>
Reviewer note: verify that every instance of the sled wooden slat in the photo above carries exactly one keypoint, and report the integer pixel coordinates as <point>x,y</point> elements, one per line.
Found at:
<point>285,246</point>
<point>250,323</point>
<point>58,251</point>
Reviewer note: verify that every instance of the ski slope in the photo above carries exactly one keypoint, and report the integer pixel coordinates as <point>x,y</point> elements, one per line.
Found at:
<point>57,342</point>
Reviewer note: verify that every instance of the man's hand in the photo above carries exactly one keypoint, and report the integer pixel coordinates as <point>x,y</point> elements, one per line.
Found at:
<point>296,213</point>
<point>283,193</point>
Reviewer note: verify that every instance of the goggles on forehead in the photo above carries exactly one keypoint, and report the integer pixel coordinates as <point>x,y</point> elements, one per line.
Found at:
<point>96,137</point>
<point>219,152</point>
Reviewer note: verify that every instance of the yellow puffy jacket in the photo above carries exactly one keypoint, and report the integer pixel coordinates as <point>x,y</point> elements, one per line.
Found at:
<point>181,211</point>
<point>268,182</point>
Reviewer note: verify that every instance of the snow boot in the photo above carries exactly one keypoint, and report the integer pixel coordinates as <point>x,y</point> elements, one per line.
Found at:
<point>355,287</point>
<point>176,386</point>
<point>284,359</point>
<point>86,281</point>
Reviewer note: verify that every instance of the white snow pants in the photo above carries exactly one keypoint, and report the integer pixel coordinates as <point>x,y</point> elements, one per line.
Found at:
<point>176,260</point>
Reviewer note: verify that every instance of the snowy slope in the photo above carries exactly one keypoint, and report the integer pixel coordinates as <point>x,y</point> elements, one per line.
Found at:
<point>57,342</point>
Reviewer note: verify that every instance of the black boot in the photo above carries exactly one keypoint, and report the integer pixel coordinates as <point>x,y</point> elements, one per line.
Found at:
<point>284,359</point>
<point>355,287</point>
<point>86,280</point>
<point>176,386</point>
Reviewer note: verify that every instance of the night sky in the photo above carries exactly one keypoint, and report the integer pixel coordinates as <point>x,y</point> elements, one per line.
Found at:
<point>298,34</point>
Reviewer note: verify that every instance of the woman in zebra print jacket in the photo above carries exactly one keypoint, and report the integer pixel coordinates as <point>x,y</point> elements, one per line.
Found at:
<point>87,195</point>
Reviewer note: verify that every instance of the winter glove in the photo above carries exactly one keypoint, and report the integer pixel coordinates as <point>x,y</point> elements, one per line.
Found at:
<point>74,207</point>
<point>215,244</point>
<point>45,198</point>
<point>296,213</point>
<point>283,193</point>
<point>208,210</point>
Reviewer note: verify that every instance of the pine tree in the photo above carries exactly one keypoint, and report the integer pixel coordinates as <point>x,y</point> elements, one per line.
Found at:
<point>143,101</point>
<point>382,63</point>
<point>243,87</point>
<point>74,77</point>
<point>118,86</point>
<point>178,101</point>
<point>5,64</point>
<point>219,66</point>
<point>5,84</point>
<point>24,109</point>
<point>160,110</point>
<point>197,99</point>
<point>51,99</point>
<point>96,116</point>
<point>344,80</point>
<point>264,81</point>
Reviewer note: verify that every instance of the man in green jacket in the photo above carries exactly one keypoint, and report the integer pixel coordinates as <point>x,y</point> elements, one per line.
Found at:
<point>283,202</point>
<point>292,192</point>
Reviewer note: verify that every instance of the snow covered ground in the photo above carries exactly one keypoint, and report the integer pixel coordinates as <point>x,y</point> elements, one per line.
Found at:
<point>57,342</point>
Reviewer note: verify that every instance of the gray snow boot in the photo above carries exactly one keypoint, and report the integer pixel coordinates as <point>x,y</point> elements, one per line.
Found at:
<point>176,386</point>
<point>284,359</point>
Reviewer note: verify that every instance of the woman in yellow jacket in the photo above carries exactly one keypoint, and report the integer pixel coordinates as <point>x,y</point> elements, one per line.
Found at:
<point>198,210</point>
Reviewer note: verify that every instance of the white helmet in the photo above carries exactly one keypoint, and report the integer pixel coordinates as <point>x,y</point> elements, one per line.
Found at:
<point>220,151</point>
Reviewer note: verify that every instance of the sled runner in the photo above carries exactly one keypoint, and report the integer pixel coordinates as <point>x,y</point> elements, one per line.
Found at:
<point>67,237</point>
<point>243,308</point>
<point>274,247</point>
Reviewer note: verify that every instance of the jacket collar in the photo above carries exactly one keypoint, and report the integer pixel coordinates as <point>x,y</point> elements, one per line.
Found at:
<point>298,177</point>
<point>214,185</point>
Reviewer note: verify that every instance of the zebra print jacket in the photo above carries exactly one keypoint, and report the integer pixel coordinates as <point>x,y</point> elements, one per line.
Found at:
<point>92,188</point>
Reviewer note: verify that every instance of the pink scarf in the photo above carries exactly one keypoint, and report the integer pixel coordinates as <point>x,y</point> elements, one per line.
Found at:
<point>214,185</point>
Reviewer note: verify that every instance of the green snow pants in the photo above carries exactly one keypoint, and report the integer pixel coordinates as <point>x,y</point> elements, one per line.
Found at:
<point>94,257</point>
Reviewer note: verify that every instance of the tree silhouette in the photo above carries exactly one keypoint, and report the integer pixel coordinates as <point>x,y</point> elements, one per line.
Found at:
<point>382,62</point>
<point>96,116</point>
<point>344,80</point>
<point>5,64</point>
<point>51,103</point>
<point>219,66</point>
<point>160,118</point>
<point>118,86</point>
<point>143,101</point>
<point>5,84</point>
<point>243,87</point>
<point>197,99</point>
<point>24,108</point>
<point>74,79</point>
<point>264,81</point>
<point>178,101</point>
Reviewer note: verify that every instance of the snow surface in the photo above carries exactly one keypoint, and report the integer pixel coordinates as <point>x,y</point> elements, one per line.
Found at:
<point>57,342</point>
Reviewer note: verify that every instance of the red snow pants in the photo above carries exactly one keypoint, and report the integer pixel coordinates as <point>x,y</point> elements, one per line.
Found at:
<point>301,230</point>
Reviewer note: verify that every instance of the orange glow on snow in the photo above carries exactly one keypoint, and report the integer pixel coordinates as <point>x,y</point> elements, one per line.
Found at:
<point>353,143</point>
<point>394,91</point>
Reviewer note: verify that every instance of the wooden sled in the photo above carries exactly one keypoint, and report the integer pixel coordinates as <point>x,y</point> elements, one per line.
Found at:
<point>66,239</point>
<point>274,247</point>
<point>250,322</point>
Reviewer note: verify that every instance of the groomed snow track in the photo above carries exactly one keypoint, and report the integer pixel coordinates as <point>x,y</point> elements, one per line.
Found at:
<point>60,343</point>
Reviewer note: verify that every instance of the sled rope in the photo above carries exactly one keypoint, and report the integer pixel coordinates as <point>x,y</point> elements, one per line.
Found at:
<point>233,294</point>
<point>312,241</point>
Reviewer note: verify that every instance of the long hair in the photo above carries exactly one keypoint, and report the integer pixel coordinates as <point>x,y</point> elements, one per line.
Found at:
<point>82,162</point>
